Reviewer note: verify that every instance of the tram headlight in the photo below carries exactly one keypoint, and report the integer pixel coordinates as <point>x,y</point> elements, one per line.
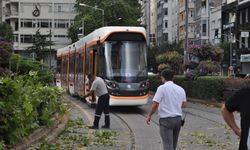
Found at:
<point>112,85</point>
<point>144,85</point>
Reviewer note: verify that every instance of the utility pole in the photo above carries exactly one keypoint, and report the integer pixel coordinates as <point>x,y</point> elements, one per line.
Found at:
<point>186,36</point>
<point>50,57</point>
<point>231,40</point>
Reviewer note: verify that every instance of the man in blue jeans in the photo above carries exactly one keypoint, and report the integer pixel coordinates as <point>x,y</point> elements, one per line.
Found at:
<point>170,98</point>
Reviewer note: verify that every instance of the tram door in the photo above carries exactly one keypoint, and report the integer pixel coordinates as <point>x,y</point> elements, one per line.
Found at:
<point>90,68</point>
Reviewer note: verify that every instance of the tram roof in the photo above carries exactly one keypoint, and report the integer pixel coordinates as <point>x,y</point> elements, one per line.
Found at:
<point>101,34</point>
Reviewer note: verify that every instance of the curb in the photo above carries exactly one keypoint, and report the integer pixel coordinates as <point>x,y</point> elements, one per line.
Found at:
<point>199,101</point>
<point>49,134</point>
<point>205,102</point>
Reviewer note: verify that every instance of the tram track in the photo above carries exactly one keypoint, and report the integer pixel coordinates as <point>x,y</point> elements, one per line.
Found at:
<point>131,119</point>
<point>132,134</point>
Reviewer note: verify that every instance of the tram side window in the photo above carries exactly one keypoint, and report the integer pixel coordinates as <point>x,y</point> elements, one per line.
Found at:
<point>65,68</point>
<point>80,65</point>
<point>87,64</point>
<point>58,68</point>
<point>72,64</point>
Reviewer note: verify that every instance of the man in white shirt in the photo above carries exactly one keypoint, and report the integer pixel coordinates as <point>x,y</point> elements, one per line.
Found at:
<point>100,88</point>
<point>170,98</point>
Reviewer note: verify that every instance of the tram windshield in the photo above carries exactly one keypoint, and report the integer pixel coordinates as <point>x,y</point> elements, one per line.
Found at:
<point>126,61</point>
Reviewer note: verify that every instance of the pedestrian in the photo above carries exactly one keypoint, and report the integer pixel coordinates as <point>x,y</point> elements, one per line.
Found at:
<point>170,99</point>
<point>240,102</point>
<point>100,88</point>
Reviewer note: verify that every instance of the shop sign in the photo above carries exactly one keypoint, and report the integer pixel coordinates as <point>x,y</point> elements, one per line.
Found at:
<point>244,34</point>
<point>245,58</point>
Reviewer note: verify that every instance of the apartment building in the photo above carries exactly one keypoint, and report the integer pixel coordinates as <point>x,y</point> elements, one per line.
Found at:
<point>49,16</point>
<point>242,34</point>
<point>1,11</point>
<point>201,19</point>
<point>215,22</point>
<point>186,7</point>
<point>148,19</point>
<point>167,21</point>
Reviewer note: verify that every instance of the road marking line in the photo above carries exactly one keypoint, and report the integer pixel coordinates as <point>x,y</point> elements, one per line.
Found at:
<point>90,119</point>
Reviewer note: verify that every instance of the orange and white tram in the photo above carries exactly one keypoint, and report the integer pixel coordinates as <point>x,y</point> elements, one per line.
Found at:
<point>117,54</point>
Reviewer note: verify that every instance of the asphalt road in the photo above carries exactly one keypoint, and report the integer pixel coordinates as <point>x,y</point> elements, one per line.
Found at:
<point>204,128</point>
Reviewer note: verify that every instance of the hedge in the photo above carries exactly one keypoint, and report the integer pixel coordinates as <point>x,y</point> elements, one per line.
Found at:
<point>26,104</point>
<point>217,88</point>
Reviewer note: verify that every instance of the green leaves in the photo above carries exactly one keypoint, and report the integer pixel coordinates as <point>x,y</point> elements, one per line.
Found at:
<point>25,103</point>
<point>40,45</point>
<point>6,31</point>
<point>129,11</point>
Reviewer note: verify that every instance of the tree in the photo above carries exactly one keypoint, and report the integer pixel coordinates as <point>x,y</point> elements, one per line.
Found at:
<point>128,10</point>
<point>161,49</point>
<point>204,59</point>
<point>6,31</point>
<point>41,45</point>
<point>172,59</point>
<point>6,49</point>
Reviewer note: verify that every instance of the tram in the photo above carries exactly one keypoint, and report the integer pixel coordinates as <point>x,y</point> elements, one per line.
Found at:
<point>117,54</point>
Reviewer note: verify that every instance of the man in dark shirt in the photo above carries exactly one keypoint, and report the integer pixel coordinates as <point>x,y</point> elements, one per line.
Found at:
<point>240,102</point>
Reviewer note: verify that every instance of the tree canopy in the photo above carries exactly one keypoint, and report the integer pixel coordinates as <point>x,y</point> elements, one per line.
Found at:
<point>116,13</point>
<point>6,31</point>
<point>41,44</point>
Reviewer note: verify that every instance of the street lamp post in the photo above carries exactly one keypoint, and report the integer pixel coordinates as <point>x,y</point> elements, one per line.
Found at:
<point>118,19</point>
<point>96,8</point>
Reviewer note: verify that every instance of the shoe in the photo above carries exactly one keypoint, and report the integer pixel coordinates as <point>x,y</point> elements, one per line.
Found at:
<point>93,127</point>
<point>106,127</point>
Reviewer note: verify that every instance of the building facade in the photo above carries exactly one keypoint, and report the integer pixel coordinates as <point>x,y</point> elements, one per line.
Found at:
<point>228,29</point>
<point>1,11</point>
<point>148,19</point>
<point>242,34</point>
<point>201,19</point>
<point>167,21</point>
<point>186,16</point>
<point>215,22</point>
<point>47,16</point>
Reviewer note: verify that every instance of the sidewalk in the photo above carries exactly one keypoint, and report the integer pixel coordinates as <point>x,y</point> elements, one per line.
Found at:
<point>76,134</point>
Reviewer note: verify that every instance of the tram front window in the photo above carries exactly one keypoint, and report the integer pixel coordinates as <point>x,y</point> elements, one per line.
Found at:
<point>126,61</point>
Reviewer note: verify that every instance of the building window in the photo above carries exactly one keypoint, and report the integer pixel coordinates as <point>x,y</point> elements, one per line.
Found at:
<point>247,15</point>
<point>15,37</point>
<point>60,36</point>
<point>166,11</point>
<point>191,13</point>
<point>244,16</point>
<point>240,17</point>
<point>61,23</point>
<point>26,38</point>
<point>219,23</point>
<point>45,23</point>
<point>64,7</point>
<point>165,36</point>
<point>166,24</point>
<point>204,28</point>
<point>26,23</point>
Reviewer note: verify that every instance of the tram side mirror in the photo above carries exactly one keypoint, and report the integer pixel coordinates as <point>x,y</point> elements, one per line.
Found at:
<point>101,51</point>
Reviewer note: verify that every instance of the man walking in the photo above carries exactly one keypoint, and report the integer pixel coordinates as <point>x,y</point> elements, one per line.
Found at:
<point>240,102</point>
<point>100,88</point>
<point>170,98</point>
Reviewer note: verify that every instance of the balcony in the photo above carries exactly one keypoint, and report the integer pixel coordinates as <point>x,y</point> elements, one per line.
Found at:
<point>13,14</point>
<point>182,8</point>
